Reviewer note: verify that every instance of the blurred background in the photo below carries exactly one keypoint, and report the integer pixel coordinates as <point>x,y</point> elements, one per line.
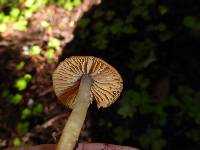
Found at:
<point>153,44</point>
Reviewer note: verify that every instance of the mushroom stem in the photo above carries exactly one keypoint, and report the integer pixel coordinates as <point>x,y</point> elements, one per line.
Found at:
<point>75,121</point>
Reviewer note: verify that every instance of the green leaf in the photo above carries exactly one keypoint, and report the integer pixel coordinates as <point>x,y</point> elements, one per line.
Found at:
<point>35,6</point>
<point>129,103</point>
<point>2,15</point>
<point>26,113</point>
<point>6,19</point>
<point>68,6</point>
<point>50,53</point>
<point>61,1</point>
<point>163,9</point>
<point>23,127</point>
<point>16,142</point>
<point>20,25</point>
<point>99,42</point>
<point>83,23</point>
<point>20,66</point>
<point>3,27</point>
<point>21,84</point>
<point>35,50</point>
<point>29,3</point>
<point>38,109</point>
<point>192,22</point>
<point>27,77</point>
<point>54,43</point>
<point>27,13</point>
<point>116,27</point>
<point>5,93</point>
<point>14,13</point>
<point>16,99</point>
<point>126,111</point>
<point>76,2</point>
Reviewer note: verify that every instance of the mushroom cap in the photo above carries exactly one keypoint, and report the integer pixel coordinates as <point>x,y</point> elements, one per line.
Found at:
<point>107,82</point>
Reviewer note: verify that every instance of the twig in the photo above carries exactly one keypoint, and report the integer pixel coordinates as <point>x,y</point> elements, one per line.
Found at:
<point>50,122</point>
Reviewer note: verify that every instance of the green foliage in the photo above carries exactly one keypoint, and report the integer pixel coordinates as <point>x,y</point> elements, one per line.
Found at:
<point>21,83</point>
<point>76,2</point>
<point>28,3</point>
<point>35,50</point>
<point>11,98</point>
<point>120,134</point>
<point>5,93</point>
<point>16,99</point>
<point>54,43</point>
<point>135,30</point>
<point>83,23</point>
<point>20,17</point>
<point>50,53</point>
<point>133,101</point>
<point>26,113</point>
<point>129,104</point>
<point>27,77</point>
<point>3,28</point>
<point>17,142</point>
<point>23,127</point>
<point>190,102</point>
<point>116,27</point>
<point>70,4</point>
<point>152,139</point>
<point>163,9</point>
<point>37,109</point>
<point>20,25</point>
<point>14,13</point>
<point>193,134</point>
<point>192,22</point>
<point>144,54</point>
<point>20,66</point>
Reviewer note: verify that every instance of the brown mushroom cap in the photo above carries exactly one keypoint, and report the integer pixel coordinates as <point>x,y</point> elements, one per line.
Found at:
<point>107,82</point>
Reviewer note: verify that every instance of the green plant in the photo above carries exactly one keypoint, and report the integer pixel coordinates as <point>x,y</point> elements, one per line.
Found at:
<point>54,43</point>
<point>21,83</point>
<point>35,50</point>
<point>16,142</point>
<point>37,109</point>
<point>23,127</point>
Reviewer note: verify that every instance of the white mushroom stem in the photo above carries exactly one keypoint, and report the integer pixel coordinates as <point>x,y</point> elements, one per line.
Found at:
<point>75,121</point>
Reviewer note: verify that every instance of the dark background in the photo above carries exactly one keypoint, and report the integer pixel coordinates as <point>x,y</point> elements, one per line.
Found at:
<point>155,47</point>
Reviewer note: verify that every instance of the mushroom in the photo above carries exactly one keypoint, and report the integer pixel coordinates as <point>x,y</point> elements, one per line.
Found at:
<point>77,81</point>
